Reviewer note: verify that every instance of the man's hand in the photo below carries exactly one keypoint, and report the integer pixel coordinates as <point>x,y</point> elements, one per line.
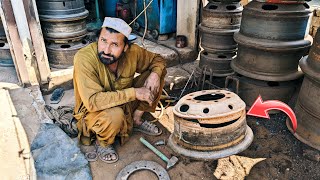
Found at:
<point>144,94</point>
<point>153,83</point>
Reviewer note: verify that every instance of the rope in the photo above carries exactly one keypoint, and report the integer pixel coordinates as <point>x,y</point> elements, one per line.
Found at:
<point>141,12</point>
<point>145,24</point>
<point>161,107</point>
<point>161,112</point>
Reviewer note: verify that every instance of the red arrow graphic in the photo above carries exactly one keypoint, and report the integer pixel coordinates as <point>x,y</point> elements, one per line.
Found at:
<point>260,109</point>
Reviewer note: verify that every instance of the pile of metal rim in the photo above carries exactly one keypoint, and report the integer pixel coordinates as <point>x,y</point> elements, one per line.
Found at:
<point>219,21</point>
<point>249,89</point>
<point>61,54</point>
<point>5,54</point>
<point>307,108</point>
<point>271,41</point>
<point>216,64</point>
<point>63,24</point>
<point>210,124</point>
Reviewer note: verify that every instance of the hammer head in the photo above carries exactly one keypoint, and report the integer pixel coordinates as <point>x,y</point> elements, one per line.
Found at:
<point>172,161</point>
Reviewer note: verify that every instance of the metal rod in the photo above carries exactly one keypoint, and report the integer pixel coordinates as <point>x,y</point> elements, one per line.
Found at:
<point>155,150</point>
<point>184,88</point>
<point>204,77</point>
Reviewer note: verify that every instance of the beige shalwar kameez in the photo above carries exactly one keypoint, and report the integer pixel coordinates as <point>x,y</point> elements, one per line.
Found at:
<point>104,107</point>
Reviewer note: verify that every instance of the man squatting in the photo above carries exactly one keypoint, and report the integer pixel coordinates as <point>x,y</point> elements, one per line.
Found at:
<point>109,101</point>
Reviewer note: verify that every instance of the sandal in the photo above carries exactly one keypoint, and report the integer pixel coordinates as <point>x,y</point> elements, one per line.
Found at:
<point>148,128</point>
<point>103,151</point>
<point>57,95</point>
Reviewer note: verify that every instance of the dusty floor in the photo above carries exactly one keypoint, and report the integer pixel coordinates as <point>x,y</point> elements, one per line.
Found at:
<point>283,153</point>
<point>274,154</point>
<point>286,157</point>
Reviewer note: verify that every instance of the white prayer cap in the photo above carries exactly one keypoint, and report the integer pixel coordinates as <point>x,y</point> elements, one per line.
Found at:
<point>117,24</point>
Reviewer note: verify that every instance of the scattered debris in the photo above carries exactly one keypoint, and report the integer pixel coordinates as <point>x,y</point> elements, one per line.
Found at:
<point>63,117</point>
<point>312,155</point>
<point>235,167</point>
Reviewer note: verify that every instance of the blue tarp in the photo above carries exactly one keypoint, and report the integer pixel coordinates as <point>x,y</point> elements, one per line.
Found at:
<point>57,156</point>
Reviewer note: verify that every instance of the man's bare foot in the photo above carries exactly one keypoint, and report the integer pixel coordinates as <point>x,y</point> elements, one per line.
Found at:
<point>144,126</point>
<point>137,117</point>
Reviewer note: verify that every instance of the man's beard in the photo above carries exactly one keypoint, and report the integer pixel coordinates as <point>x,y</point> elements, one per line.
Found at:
<point>109,60</point>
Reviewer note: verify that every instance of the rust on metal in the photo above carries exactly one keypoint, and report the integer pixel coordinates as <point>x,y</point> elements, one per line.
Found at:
<point>218,63</point>
<point>60,9</point>
<point>271,41</point>
<point>61,55</point>
<point>281,22</point>
<point>310,65</point>
<point>209,120</point>
<point>219,103</point>
<point>219,22</point>
<point>217,40</point>
<point>307,109</point>
<point>63,21</point>
<point>249,89</point>
<point>309,93</point>
<point>269,60</point>
<point>308,126</point>
<point>195,135</point>
<point>222,16</point>
<point>64,31</point>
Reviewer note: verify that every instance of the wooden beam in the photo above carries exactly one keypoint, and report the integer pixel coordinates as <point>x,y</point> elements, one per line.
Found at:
<point>37,39</point>
<point>61,78</point>
<point>25,38</point>
<point>18,35</point>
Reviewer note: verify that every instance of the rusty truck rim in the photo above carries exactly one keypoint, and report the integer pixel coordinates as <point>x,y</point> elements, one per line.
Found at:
<point>210,121</point>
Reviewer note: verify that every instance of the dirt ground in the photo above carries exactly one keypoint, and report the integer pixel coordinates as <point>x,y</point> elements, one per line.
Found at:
<point>274,154</point>
<point>286,157</point>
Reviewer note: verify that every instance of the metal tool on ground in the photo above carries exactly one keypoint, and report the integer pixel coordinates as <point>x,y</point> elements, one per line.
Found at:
<point>170,162</point>
<point>160,142</point>
<point>135,166</point>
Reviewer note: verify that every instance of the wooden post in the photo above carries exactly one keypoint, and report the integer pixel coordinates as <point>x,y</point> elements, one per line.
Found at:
<point>22,28</point>
<point>37,40</point>
<point>25,39</point>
